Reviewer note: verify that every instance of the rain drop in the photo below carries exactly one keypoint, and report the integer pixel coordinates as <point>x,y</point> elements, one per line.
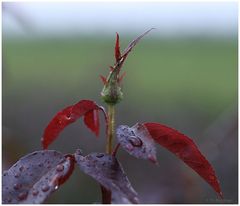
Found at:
<point>21,168</point>
<point>16,175</point>
<point>68,117</point>
<point>22,195</point>
<point>9,200</point>
<point>35,192</point>
<point>211,177</point>
<point>16,186</point>
<point>60,168</point>
<point>135,141</point>
<point>45,188</point>
<point>153,159</point>
<point>99,155</point>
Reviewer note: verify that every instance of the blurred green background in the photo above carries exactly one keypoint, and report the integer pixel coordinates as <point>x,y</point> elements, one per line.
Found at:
<point>187,82</point>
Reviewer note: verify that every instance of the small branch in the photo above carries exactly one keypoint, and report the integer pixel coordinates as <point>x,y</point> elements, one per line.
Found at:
<point>115,150</point>
<point>106,196</point>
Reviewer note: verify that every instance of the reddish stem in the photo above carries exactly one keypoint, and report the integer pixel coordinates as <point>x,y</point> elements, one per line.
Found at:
<point>106,195</point>
<point>115,150</point>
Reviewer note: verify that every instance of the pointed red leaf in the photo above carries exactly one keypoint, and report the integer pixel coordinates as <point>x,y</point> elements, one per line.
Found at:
<point>133,44</point>
<point>117,49</point>
<point>121,77</point>
<point>184,148</point>
<point>91,119</point>
<point>65,117</point>
<point>104,80</point>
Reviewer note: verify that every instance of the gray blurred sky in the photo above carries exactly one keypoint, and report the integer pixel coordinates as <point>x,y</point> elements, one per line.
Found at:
<point>170,19</point>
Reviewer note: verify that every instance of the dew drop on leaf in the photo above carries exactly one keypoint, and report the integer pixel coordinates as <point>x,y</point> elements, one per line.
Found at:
<point>135,141</point>
<point>45,188</point>
<point>35,192</point>
<point>16,186</point>
<point>60,168</point>
<point>9,200</point>
<point>16,175</point>
<point>22,195</point>
<point>21,168</point>
<point>99,155</point>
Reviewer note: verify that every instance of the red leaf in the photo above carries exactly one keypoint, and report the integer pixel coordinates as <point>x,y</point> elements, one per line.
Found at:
<point>184,148</point>
<point>91,119</point>
<point>133,44</point>
<point>104,80</point>
<point>67,116</point>
<point>117,49</point>
<point>121,77</point>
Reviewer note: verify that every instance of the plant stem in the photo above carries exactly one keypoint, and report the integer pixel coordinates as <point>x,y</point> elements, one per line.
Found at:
<point>111,125</point>
<point>106,194</point>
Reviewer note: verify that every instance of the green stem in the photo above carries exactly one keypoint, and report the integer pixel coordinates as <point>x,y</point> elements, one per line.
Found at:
<point>106,194</point>
<point>111,128</point>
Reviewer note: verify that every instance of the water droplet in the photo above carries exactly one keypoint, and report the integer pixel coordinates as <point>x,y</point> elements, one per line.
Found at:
<point>8,200</point>
<point>21,168</point>
<point>68,116</point>
<point>45,188</point>
<point>99,155</point>
<point>60,168</point>
<point>16,186</point>
<point>35,192</point>
<point>56,187</point>
<point>16,175</point>
<point>135,200</point>
<point>22,195</point>
<point>152,158</point>
<point>211,177</point>
<point>135,141</point>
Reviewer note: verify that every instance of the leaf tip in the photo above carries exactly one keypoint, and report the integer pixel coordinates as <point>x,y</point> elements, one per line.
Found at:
<point>117,48</point>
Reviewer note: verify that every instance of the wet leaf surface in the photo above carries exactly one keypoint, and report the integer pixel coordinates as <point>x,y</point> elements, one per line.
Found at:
<point>35,176</point>
<point>185,149</point>
<point>108,172</point>
<point>137,141</point>
<point>69,115</point>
